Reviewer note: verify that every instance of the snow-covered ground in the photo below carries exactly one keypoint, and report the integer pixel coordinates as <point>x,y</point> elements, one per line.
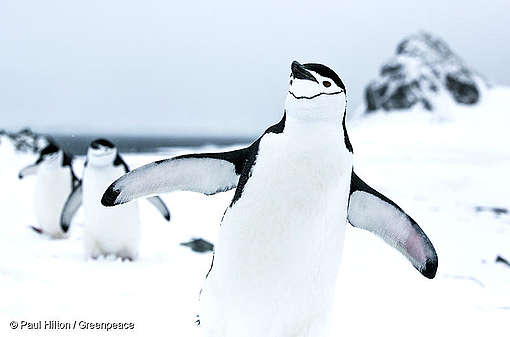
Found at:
<point>438,169</point>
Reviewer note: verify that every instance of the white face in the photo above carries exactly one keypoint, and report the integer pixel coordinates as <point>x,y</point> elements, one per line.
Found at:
<point>320,100</point>
<point>101,156</point>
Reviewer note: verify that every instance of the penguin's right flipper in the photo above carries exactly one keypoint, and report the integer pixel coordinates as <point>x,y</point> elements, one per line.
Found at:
<point>71,206</point>
<point>160,205</point>
<point>28,171</point>
<point>207,173</point>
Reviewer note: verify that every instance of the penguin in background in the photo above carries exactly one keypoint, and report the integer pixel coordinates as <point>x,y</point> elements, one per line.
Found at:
<point>55,181</point>
<point>281,238</point>
<point>107,231</point>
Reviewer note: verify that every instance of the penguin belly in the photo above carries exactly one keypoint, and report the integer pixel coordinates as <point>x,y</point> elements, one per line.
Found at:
<point>53,186</point>
<point>108,231</point>
<point>280,245</point>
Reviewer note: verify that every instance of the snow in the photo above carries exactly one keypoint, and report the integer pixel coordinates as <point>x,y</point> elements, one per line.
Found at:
<point>438,169</point>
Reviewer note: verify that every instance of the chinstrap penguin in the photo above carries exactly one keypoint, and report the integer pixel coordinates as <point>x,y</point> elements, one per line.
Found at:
<point>107,231</point>
<point>55,180</point>
<point>280,243</point>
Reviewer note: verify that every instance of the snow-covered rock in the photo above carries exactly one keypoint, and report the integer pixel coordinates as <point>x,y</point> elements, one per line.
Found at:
<point>422,72</point>
<point>24,140</point>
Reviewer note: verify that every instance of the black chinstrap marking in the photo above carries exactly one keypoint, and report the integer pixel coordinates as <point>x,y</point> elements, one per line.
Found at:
<point>317,95</point>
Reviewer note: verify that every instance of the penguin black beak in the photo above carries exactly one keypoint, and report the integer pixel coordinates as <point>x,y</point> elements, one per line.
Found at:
<point>299,72</point>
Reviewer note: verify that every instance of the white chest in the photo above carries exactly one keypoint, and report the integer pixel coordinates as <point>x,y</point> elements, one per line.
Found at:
<point>280,244</point>
<point>95,181</point>
<point>291,216</point>
<point>53,185</point>
<point>108,230</point>
<point>295,199</point>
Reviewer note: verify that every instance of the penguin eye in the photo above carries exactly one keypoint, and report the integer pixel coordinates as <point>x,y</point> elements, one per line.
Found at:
<point>327,84</point>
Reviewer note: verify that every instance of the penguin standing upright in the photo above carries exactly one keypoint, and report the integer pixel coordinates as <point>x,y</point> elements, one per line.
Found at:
<point>55,180</point>
<point>106,231</point>
<point>281,239</point>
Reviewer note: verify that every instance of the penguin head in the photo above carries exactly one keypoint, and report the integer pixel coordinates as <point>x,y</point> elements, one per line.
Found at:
<point>101,152</point>
<point>51,155</point>
<point>315,93</point>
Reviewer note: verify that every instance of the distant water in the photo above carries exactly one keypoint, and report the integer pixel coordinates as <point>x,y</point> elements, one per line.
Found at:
<point>78,144</point>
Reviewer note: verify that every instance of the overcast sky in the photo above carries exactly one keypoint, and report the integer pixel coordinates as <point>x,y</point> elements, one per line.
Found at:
<point>211,67</point>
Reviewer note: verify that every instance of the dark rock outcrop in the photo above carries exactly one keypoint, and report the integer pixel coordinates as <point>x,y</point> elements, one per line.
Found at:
<point>26,140</point>
<point>422,68</point>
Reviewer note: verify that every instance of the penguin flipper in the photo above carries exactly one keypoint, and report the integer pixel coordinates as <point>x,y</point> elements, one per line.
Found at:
<point>207,173</point>
<point>372,211</point>
<point>160,205</point>
<point>28,171</point>
<point>73,203</point>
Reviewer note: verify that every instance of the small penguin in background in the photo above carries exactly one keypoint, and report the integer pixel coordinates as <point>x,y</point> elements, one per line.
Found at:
<point>107,231</point>
<point>55,180</point>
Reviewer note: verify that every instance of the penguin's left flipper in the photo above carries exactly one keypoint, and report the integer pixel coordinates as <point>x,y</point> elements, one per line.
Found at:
<point>372,211</point>
<point>207,173</point>
<point>160,205</point>
<point>73,203</point>
<point>28,171</point>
